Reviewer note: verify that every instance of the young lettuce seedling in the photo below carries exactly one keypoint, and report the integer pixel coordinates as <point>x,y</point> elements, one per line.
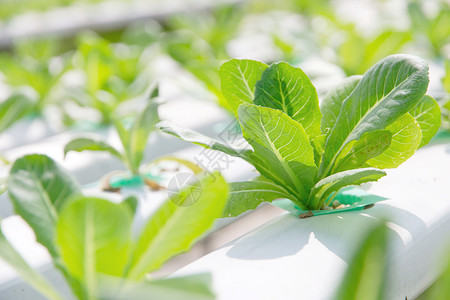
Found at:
<point>306,153</point>
<point>35,65</point>
<point>113,74</point>
<point>90,240</point>
<point>133,139</point>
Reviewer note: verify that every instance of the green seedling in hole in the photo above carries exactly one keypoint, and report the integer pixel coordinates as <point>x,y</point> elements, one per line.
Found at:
<point>90,240</point>
<point>306,153</point>
<point>134,141</point>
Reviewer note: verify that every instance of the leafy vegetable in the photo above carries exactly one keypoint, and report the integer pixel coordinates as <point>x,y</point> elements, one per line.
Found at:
<point>275,137</point>
<point>387,91</point>
<point>238,79</point>
<point>288,89</point>
<point>175,226</point>
<point>113,73</point>
<point>39,189</point>
<point>427,115</point>
<point>35,67</point>
<point>406,138</point>
<point>90,246</point>
<point>91,240</point>
<point>307,154</point>
<point>332,102</point>
<point>249,195</point>
<point>134,140</point>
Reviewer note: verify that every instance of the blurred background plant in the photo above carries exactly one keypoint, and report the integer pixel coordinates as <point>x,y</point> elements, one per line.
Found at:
<point>199,43</point>
<point>114,66</point>
<point>446,102</point>
<point>366,276</point>
<point>35,66</point>
<point>109,74</point>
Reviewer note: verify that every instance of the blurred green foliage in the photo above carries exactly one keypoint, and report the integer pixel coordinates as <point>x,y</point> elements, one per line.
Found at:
<point>111,74</point>
<point>366,276</point>
<point>115,69</point>
<point>199,44</point>
<point>34,64</point>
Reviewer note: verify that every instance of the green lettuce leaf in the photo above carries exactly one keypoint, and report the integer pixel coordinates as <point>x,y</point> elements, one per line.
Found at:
<point>282,151</point>
<point>428,115</point>
<point>332,101</point>
<point>325,187</point>
<point>244,196</point>
<point>406,137</point>
<point>238,79</point>
<point>387,91</point>
<point>288,89</point>
<point>177,224</point>
<point>39,188</point>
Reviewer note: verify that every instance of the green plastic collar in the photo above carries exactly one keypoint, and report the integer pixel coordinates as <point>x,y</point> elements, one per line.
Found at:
<point>123,180</point>
<point>357,198</point>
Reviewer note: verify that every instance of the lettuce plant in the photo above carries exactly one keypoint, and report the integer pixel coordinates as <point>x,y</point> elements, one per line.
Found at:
<point>91,242</point>
<point>306,153</point>
<point>112,75</point>
<point>133,139</point>
<point>37,65</point>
